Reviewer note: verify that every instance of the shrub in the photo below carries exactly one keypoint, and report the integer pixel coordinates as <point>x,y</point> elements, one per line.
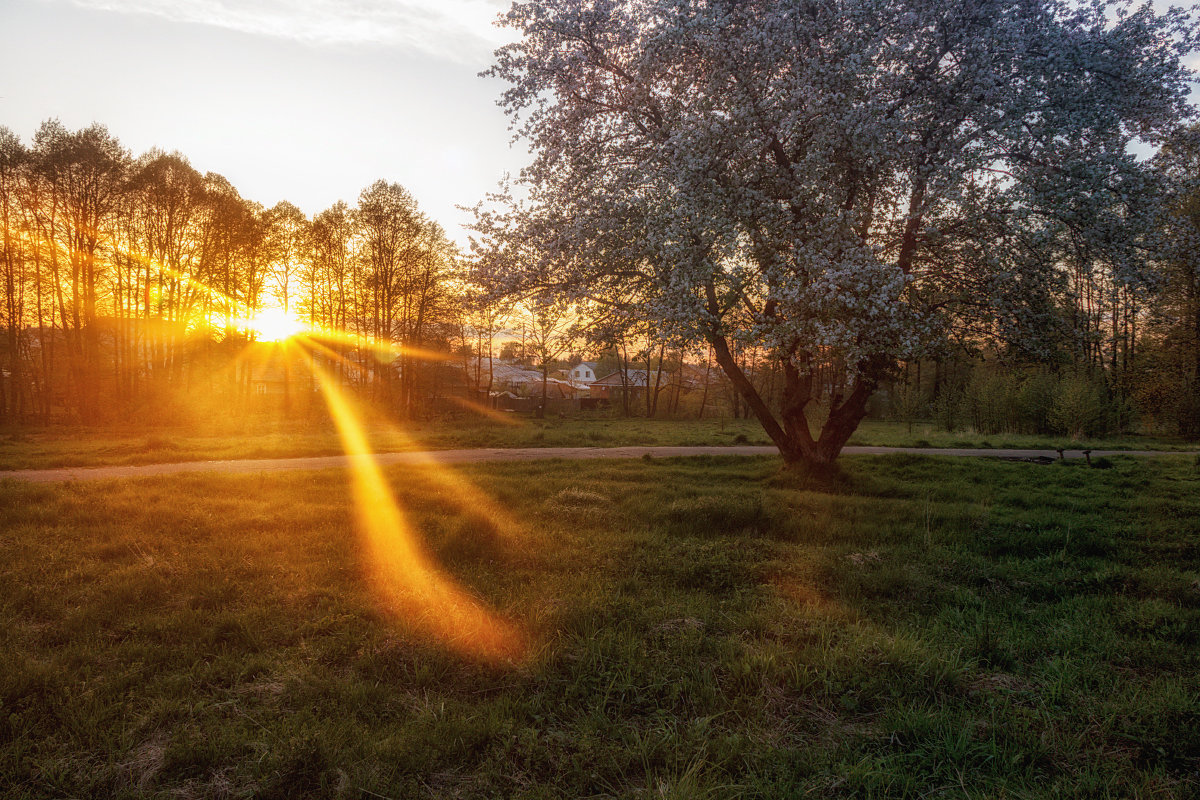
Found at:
<point>1035,403</point>
<point>1187,409</point>
<point>1081,407</point>
<point>991,401</point>
<point>1122,415</point>
<point>907,404</point>
<point>948,406</point>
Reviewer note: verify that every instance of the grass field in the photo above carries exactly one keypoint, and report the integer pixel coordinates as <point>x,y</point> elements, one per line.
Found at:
<point>80,447</point>
<point>712,627</point>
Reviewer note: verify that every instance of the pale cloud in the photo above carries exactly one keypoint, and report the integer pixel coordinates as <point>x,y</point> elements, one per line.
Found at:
<point>456,29</point>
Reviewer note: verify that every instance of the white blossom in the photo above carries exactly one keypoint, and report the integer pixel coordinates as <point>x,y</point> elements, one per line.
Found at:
<point>827,176</point>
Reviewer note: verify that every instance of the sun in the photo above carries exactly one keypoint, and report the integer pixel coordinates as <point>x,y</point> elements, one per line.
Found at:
<point>275,325</point>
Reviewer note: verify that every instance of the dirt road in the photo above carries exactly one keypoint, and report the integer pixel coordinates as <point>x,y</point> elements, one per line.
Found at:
<point>509,454</point>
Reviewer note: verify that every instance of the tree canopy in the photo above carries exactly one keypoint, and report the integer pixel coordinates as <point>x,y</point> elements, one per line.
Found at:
<point>842,182</point>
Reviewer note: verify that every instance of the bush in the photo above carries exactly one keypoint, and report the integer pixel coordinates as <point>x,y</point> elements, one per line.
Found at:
<point>996,400</point>
<point>991,401</point>
<point>1035,403</point>
<point>1187,409</point>
<point>906,404</point>
<point>948,406</point>
<point>1081,407</point>
<point>1122,415</point>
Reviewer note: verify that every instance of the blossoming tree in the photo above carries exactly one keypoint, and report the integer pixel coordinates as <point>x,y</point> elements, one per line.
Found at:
<point>827,179</point>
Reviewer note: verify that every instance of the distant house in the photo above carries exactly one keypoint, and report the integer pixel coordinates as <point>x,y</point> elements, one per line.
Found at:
<point>634,381</point>
<point>517,379</point>
<point>523,381</point>
<point>584,372</point>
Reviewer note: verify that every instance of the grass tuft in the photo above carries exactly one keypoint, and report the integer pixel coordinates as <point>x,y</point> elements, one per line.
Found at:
<point>725,514</point>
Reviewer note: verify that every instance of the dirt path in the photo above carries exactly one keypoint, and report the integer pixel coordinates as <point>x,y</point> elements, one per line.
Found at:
<point>61,475</point>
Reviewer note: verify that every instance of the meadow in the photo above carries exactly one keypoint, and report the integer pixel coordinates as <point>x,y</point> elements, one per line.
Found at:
<point>65,446</point>
<point>709,627</point>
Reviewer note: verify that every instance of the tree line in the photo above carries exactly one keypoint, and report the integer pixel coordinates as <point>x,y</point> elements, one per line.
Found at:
<point>131,283</point>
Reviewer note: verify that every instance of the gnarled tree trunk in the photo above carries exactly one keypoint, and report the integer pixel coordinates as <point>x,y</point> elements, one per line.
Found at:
<point>791,431</point>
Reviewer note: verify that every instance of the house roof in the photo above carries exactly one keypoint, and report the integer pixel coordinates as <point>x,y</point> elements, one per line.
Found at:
<point>510,373</point>
<point>633,377</point>
<point>503,372</point>
<point>516,375</point>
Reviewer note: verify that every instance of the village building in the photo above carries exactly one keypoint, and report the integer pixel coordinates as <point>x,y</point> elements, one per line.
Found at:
<point>634,382</point>
<point>584,372</point>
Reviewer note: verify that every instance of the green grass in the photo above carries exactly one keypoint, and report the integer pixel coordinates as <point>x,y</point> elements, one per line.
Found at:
<point>78,447</point>
<point>42,448</point>
<point>711,627</point>
<point>887,433</point>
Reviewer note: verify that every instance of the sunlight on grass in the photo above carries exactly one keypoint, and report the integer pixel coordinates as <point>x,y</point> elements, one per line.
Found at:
<point>405,578</point>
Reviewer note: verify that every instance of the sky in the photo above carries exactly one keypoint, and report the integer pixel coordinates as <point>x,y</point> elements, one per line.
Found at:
<point>308,101</point>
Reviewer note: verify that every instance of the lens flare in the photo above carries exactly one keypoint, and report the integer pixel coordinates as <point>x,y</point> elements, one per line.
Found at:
<point>459,490</point>
<point>511,420</point>
<point>407,582</point>
<point>382,348</point>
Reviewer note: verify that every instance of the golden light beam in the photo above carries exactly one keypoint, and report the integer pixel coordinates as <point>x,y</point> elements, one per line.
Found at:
<point>477,408</point>
<point>406,581</point>
<point>236,306</point>
<point>490,413</point>
<point>384,347</point>
<point>461,492</point>
<point>274,324</point>
<point>332,354</point>
<point>277,326</point>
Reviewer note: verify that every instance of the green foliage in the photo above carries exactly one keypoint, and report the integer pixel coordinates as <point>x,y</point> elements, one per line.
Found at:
<point>908,404</point>
<point>993,400</point>
<point>1035,403</point>
<point>1165,392</point>
<point>948,406</point>
<point>997,400</point>
<point>1081,406</point>
<point>1187,408</point>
